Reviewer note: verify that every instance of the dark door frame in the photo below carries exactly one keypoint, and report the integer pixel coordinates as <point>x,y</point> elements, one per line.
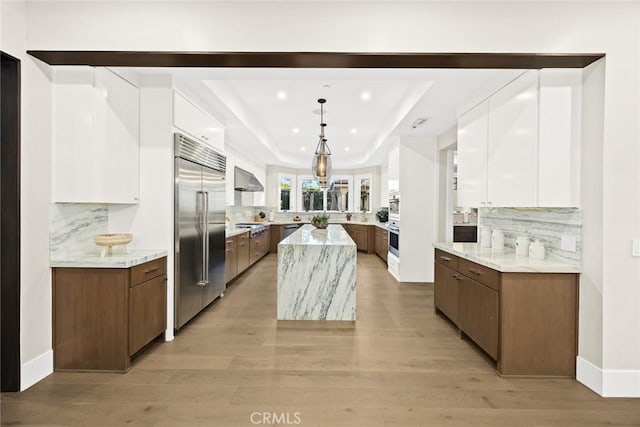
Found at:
<point>10,223</point>
<point>227,60</point>
<point>119,58</point>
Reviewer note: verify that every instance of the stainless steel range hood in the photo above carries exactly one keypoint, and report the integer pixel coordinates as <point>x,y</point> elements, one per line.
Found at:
<point>246,181</point>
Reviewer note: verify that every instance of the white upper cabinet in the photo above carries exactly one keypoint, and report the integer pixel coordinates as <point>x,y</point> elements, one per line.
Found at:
<point>96,137</point>
<point>513,137</point>
<point>472,156</point>
<point>196,123</point>
<point>521,146</point>
<point>559,137</point>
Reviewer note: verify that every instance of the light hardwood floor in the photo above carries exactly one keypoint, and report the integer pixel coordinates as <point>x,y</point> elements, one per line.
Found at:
<point>398,365</point>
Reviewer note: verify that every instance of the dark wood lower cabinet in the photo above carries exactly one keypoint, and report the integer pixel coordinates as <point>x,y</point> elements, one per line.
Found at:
<point>382,242</point>
<point>446,291</point>
<point>147,312</point>
<point>478,314</point>
<point>230,258</point>
<point>102,316</point>
<point>243,252</point>
<point>527,322</point>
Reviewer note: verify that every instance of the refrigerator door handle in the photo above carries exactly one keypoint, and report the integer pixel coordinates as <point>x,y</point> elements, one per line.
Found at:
<point>205,261</point>
<point>202,227</point>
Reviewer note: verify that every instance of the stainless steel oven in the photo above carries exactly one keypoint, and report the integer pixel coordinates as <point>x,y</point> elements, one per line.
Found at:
<point>394,205</point>
<point>394,237</point>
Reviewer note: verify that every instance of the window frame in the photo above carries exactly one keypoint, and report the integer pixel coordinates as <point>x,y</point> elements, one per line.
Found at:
<point>292,198</point>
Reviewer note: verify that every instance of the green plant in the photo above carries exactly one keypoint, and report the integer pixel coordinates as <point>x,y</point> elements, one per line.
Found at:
<point>382,215</point>
<point>320,221</point>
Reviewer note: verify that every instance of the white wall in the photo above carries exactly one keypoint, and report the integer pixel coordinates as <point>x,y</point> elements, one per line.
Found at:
<point>608,27</point>
<point>446,142</point>
<point>151,221</point>
<point>418,213</point>
<point>35,194</point>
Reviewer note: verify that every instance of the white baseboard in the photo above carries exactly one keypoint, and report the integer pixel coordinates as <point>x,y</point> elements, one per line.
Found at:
<point>608,382</point>
<point>589,374</point>
<point>36,369</point>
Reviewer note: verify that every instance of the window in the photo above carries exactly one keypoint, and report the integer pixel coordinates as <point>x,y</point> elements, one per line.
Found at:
<point>338,195</point>
<point>312,195</point>
<point>363,192</point>
<point>285,193</point>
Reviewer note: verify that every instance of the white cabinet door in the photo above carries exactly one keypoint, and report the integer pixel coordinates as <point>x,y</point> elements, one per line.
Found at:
<point>512,145</point>
<point>197,124</point>
<point>559,138</point>
<point>472,156</point>
<point>393,178</point>
<point>95,137</point>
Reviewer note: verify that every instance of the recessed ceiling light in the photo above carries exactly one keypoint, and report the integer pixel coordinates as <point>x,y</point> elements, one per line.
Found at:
<point>354,131</point>
<point>366,95</point>
<point>303,148</point>
<point>282,95</point>
<point>347,148</point>
<point>295,130</point>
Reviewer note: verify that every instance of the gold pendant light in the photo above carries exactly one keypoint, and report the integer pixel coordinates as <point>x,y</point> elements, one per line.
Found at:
<point>321,165</point>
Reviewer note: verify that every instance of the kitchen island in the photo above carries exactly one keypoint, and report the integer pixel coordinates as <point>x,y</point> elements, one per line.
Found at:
<point>317,275</point>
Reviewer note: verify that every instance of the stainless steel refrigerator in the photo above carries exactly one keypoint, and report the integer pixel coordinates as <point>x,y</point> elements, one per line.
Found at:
<point>199,216</point>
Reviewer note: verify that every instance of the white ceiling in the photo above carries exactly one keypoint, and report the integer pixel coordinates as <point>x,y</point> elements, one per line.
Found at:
<point>261,125</point>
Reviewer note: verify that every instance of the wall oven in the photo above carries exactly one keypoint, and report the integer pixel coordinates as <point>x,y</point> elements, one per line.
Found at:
<point>394,205</point>
<point>394,237</point>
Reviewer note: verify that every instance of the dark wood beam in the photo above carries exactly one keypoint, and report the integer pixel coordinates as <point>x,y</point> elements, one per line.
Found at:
<point>315,59</point>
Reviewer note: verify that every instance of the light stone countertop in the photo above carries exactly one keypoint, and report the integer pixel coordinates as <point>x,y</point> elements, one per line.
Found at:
<point>309,235</point>
<point>119,259</point>
<point>230,232</point>
<point>506,260</point>
<point>283,222</point>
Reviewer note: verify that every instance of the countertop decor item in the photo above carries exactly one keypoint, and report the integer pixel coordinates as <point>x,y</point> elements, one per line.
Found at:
<point>497,240</point>
<point>297,218</point>
<point>536,250</point>
<point>522,246</point>
<point>320,221</point>
<point>383,215</point>
<point>485,238</point>
<point>109,240</point>
<point>348,217</point>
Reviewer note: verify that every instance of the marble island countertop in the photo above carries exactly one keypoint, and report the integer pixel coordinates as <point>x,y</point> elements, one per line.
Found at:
<point>506,260</point>
<point>317,275</point>
<point>308,235</point>
<point>119,259</point>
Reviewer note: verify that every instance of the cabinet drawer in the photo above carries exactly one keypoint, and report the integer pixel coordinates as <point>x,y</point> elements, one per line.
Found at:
<point>147,312</point>
<point>482,274</point>
<point>148,270</point>
<point>447,259</point>
<point>478,315</point>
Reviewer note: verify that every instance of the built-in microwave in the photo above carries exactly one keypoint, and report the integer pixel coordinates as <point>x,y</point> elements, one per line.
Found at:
<point>394,204</point>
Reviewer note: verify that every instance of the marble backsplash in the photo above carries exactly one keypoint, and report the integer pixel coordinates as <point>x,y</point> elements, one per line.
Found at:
<point>238,214</point>
<point>73,226</point>
<point>544,224</point>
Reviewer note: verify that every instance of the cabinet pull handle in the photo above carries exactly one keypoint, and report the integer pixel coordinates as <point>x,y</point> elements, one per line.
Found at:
<point>456,276</point>
<point>474,271</point>
<point>228,250</point>
<point>445,258</point>
<point>151,270</point>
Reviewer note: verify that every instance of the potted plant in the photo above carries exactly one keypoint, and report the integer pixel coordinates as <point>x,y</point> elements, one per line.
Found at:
<point>320,221</point>
<point>349,216</point>
<point>382,215</point>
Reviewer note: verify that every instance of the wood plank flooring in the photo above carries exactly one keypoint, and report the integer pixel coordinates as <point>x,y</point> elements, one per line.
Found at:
<point>397,365</point>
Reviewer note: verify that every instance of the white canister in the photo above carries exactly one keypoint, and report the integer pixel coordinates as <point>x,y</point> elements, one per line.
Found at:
<point>522,246</point>
<point>536,250</point>
<point>497,240</point>
<point>270,216</point>
<point>485,238</point>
